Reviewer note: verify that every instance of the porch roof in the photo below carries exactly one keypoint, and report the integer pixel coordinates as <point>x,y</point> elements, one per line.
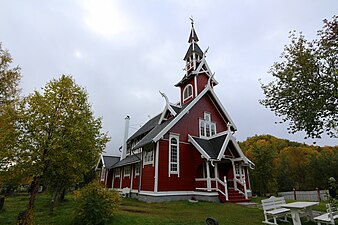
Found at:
<point>131,159</point>
<point>214,148</point>
<point>211,147</point>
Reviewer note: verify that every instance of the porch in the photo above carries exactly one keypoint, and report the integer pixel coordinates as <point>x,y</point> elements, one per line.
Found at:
<point>224,169</point>
<point>228,178</point>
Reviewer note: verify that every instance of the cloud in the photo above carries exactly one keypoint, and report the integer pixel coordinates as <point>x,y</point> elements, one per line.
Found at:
<point>108,19</point>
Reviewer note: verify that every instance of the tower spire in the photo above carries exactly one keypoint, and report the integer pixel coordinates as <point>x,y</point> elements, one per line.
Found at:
<point>193,36</point>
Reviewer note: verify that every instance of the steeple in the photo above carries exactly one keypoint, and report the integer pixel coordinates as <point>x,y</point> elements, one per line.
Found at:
<point>194,51</point>
<point>197,71</point>
<point>193,36</point>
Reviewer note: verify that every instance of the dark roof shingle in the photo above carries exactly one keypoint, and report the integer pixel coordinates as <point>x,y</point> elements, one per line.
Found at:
<point>212,146</point>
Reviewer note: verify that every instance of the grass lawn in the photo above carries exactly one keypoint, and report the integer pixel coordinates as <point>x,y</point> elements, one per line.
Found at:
<point>139,213</point>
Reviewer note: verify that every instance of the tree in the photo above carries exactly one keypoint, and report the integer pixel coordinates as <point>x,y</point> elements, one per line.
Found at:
<point>9,99</point>
<point>264,175</point>
<point>9,79</point>
<point>305,92</point>
<point>60,139</point>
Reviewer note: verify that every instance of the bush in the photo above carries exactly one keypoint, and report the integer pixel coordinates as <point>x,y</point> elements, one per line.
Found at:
<point>95,204</point>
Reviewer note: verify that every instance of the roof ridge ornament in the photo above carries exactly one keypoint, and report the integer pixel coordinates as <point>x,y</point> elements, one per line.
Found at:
<point>210,79</point>
<point>165,97</point>
<point>205,52</point>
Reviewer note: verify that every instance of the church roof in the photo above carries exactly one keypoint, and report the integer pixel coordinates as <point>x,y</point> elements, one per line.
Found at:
<point>193,48</point>
<point>131,159</point>
<point>107,161</point>
<point>193,36</point>
<point>146,127</point>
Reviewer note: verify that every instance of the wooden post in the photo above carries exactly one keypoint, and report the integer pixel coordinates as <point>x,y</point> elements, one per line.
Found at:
<point>318,194</point>
<point>208,176</point>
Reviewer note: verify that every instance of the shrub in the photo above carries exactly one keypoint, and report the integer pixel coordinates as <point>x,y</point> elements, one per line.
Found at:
<point>95,204</point>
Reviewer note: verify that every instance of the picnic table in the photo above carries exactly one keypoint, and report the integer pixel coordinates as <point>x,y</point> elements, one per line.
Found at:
<point>296,207</point>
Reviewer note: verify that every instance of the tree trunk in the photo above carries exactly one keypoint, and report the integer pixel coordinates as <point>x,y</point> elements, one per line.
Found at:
<point>28,218</point>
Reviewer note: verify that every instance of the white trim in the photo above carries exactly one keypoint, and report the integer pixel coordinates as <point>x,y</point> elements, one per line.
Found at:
<point>223,109</point>
<point>199,148</point>
<point>144,156</point>
<point>131,176</point>
<point>196,91</point>
<point>166,108</point>
<point>177,137</point>
<point>224,146</point>
<point>179,116</point>
<point>186,110</point>
<point>98,162</point>
<point>137,165</point>
<point>124,171</point>
<point>103,174</point>
<point>156,166</point>
<point>189,96</point>
<point>121,178</point>
<point>172,193</point>
<point>118,175</point>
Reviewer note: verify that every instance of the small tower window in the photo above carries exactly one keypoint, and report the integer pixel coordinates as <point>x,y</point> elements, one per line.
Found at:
<point>187,92</point>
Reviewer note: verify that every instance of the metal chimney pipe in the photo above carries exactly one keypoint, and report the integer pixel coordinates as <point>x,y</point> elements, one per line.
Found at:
<point>126,132</point>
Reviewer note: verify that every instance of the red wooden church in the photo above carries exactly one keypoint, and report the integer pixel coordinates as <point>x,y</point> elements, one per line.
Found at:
<point>188,150</point>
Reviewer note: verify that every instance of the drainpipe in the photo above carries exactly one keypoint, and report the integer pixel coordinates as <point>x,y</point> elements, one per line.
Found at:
<point>126,131</point>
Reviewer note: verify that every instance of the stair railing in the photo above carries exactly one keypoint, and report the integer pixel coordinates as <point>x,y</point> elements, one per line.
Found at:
<point>242,183</point>
<point>225,185</point>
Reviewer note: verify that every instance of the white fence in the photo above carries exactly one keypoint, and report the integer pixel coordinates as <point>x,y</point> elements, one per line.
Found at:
<point>317,195</point>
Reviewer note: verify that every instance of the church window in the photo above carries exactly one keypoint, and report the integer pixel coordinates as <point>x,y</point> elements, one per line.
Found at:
<point>173,154</point>
<point>207,127</point>
<point>187,92</point>
<point>117,172</point>
<point>127,171</point>
<point>148,155</point>
<point>137,170</point>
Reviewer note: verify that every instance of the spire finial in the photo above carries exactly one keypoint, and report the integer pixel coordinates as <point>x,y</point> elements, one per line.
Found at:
<point>192,20</point>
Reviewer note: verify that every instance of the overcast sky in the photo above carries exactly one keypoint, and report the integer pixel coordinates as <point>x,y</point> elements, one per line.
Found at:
<point>124,52</point>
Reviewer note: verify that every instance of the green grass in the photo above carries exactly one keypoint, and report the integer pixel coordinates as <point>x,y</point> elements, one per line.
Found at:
<point>132,211</point>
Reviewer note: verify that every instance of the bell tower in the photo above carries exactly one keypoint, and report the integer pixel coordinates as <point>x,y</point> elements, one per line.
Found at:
<point>196,69</point>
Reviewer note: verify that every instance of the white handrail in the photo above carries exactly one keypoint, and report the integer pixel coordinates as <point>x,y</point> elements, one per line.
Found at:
<point>243,183</point>
<point>226,188</point>
<point>218,181</point>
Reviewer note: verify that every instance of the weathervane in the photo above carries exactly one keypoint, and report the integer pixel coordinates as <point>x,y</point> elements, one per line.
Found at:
<point>192,20</point>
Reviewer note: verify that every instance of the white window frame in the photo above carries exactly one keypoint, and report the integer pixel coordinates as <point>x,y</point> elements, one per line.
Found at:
<point>207,123</point>
<point>185,97</point>
<point>137,170</point>
<point>117,175</point>
<point>124,171</point>
<point>148,156</point>
<point>103,174</point>
<point>177,163</point>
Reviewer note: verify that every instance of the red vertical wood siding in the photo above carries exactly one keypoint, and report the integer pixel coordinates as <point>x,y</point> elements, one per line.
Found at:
<point>190,161</point>
<point>202,81</point>
<point>148,174</point>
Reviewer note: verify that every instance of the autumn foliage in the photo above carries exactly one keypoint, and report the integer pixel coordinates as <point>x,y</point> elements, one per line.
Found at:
<point>282,165</point>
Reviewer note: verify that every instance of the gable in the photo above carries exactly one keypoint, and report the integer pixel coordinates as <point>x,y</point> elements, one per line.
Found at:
<point>189,123</point>
<point>162,129</point>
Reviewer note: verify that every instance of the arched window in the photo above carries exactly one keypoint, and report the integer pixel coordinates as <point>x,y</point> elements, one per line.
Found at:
<point>187,92</point>
<point>174,154</point>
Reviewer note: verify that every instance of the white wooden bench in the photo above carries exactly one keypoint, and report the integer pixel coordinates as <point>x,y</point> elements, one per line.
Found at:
<point>126,192</point>
<point>329,217</point>
<point>273,210</point>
